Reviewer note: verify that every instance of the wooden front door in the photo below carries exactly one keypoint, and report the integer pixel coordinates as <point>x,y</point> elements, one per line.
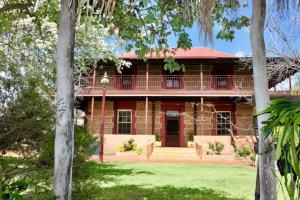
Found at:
<point>172,132</point>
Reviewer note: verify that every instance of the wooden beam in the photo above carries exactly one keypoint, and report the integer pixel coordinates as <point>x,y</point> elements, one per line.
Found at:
<point>146,103</point>
<point>92,115</point>
<point>147,76</point>
<point>201,76</point>
<point>146,116</point>
<point>153,117</point>
<point>202,117</point>
<point>195,117</point>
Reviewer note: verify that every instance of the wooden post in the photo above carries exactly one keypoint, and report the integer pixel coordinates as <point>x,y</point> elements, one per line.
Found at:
<point>93,101</point>
<point>147,77</point>
<point>92,115</point>
<point>94,79</point>
<point>146,116</point>
<point>153,117</point>
<point>195,117</point>
<point>202,118</point>
<point>201,76</point>
<point>146,103</point>
<point>102,127</point>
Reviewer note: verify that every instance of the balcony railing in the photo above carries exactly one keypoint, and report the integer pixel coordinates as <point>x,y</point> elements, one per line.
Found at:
<point>237,83</point>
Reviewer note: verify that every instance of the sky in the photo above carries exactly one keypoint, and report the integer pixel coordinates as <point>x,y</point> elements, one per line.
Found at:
<point>240,45</point>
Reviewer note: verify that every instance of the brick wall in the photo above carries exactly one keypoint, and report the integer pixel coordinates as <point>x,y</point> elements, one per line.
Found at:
<point>109,114</point>
<point>244,119</point>
<point>188,119</point>
<point>243,115</point>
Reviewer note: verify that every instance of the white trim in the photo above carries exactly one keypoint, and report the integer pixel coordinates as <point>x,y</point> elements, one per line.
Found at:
<point>217,115</point>
<point>128,110</point>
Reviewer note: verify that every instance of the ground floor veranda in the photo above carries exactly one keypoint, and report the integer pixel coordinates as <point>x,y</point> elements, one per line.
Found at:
<point>171,122</point>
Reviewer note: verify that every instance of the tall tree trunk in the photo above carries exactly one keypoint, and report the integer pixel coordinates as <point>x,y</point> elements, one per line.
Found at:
<point>64,138</point>
<point>262,97</point>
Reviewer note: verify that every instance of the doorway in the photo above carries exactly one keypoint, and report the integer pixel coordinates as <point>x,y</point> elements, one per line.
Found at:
<point>172,131</point>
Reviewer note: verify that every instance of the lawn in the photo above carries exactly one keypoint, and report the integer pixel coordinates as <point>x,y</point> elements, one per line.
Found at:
<point>156,181</point>
<point>150,181</point>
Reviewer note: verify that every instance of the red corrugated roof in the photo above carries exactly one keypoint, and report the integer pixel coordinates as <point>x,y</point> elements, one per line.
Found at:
<point>193,53</point>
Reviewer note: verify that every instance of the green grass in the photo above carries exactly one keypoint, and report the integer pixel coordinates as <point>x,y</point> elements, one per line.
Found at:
<point>157,181</point>
<point>153,181</point>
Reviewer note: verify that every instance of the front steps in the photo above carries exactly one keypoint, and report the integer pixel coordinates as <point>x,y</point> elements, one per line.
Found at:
<point>174,154</point>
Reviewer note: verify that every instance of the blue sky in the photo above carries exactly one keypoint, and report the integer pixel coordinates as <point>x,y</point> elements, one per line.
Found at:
<point>240,45</point>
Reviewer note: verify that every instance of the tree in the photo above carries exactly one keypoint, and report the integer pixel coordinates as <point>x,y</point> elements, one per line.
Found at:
<point>132,21</point>
<point>284,125</point>
<point>266,165</point>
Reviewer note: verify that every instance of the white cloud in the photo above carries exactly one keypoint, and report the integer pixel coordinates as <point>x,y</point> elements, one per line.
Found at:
<point>240,53</point>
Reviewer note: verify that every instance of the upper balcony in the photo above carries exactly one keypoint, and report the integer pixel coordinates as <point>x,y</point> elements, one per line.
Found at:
<point>179,85</point>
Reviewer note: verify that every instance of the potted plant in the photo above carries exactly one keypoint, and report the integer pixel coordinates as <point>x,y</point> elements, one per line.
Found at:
<point>189,138</point>
<point>157,139</point>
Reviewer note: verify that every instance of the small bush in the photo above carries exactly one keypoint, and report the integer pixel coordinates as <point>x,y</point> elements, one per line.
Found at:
<point>158,137</point>
<point>128,146</point>
<point>243,152</point>
<point>215,148</point>
<point>190,135</point>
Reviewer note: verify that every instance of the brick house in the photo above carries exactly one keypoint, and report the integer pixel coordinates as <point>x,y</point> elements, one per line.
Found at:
<point>206,102</point>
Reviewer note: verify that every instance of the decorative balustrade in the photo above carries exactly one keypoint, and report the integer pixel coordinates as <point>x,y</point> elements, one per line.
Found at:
<point>236,83</point>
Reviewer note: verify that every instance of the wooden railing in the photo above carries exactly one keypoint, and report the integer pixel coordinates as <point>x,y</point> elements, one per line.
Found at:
<point>170,82</point>
<point>237,83</point>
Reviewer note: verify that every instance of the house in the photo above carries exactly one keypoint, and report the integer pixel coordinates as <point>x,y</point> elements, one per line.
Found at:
<point>207,102</point>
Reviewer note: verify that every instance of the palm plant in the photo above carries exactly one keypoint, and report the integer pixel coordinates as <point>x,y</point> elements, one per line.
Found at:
<point>284,126</point>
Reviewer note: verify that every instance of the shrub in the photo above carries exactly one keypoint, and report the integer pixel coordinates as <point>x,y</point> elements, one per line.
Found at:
<point>190,135</point>
<point>158,137</point>
<point>130,145</point>
<point>215,148</point>
<point>14,189</point>
<point>243,152</point>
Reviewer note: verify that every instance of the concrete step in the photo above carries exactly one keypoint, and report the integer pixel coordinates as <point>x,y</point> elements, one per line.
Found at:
<point>176,158</point>
<point>173,149</point>
<point>174,153</point>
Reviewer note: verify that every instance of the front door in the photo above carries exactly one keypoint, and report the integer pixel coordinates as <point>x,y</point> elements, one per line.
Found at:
<point>172,131</point>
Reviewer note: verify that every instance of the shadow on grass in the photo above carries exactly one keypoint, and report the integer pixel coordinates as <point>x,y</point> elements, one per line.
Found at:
<point>109,172</point>
<point>134,192</point>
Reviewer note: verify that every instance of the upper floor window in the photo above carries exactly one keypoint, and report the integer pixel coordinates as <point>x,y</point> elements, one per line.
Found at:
<point>124,121</point>
<point>223,122</point>
<point>173,80</point>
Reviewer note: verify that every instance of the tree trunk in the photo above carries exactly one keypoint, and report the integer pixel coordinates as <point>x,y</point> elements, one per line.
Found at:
<point>266,162</point>
<point>64,138</point>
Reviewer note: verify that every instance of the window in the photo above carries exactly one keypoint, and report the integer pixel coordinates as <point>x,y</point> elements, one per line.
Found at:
<point>223,122</point>
<point>124,121</point>
<point>173,82</point>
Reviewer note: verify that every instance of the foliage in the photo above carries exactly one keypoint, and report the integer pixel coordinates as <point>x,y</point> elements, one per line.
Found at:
<point>171,65</point>
<point>28,48</point>
<point>284,125</point>
<point>215,148</point>
<point>157,137</point>
<point>14,189</point>
<point>243,152</point>
<point>39,171</point>
<point>25,121</point>
<point>190,135</point>
<point>130,145</point>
